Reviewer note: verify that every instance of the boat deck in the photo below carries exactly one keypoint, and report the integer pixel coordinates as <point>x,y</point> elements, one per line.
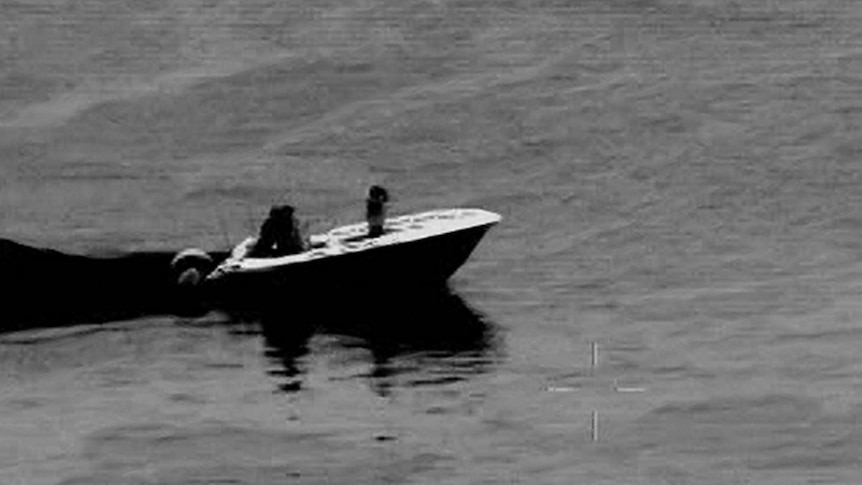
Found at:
<point>352,238</point>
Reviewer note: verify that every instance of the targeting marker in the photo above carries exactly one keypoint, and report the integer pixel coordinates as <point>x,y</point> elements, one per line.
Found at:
<point>594,415</point>
<point>627,389</point>
<point>561,389</point>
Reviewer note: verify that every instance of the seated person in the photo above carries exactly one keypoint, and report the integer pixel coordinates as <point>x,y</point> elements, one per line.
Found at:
<point>375,210</point>
<point>279,235</point>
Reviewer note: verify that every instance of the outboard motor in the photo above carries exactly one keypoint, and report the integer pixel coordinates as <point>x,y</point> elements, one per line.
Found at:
<point>190,266</point>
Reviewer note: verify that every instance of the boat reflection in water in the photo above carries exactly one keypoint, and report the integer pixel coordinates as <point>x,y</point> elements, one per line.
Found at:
<point>428,338</point>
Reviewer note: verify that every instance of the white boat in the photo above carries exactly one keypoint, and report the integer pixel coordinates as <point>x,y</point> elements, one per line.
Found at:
<point>422,248</point>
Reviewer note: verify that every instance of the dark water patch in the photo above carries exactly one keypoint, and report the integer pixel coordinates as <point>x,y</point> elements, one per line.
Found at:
<point>806,462</point>
<point>21,88</point>
<point>235,191</point>
<point>733,305</point>
<point>438,381</point>
<point>142,436</point>
<point>22,404</point>
<point>185,398</point>
<point>831,334</point>
<point>830,442</point>
<point>755,428</point>
<point>45,287</point>
<point>220,453</point>
<point>730,410</point>
<point>428,338</point>
<point>89,172</point>
<point>174,454</point>
<point>680,371</point>
<point>223,365</point>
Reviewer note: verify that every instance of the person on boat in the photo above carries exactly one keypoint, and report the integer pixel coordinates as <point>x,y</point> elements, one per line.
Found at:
<point>375,210</point>
<point>279,234</point>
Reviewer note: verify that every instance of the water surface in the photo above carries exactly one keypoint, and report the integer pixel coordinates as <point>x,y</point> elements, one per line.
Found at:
<point>679,183</point>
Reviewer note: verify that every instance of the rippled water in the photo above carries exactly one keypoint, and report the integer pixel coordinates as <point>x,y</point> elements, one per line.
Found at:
<point>679,182</point>
<point>106,399</point>
<point>717,386</point>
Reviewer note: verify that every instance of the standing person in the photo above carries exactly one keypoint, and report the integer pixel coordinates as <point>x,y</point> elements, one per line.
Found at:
<point>279,234</point>
<point>375,210</point>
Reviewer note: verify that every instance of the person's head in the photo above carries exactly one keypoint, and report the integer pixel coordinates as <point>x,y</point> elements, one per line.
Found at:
<point>281,211</point>
<point>377,192</point>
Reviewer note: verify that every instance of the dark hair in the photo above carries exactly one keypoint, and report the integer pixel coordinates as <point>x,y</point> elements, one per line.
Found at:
<point>281,211</point>
<point>378,192</point>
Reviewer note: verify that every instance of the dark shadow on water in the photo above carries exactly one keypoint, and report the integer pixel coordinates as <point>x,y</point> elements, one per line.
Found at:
<point>423,338</point>
<point>47,288</point>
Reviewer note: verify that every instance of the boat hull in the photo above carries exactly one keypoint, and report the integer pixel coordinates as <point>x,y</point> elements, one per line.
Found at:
<point>402,267</point>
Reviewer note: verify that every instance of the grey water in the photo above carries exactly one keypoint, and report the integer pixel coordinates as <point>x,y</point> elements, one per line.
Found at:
<point>679,186</point>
